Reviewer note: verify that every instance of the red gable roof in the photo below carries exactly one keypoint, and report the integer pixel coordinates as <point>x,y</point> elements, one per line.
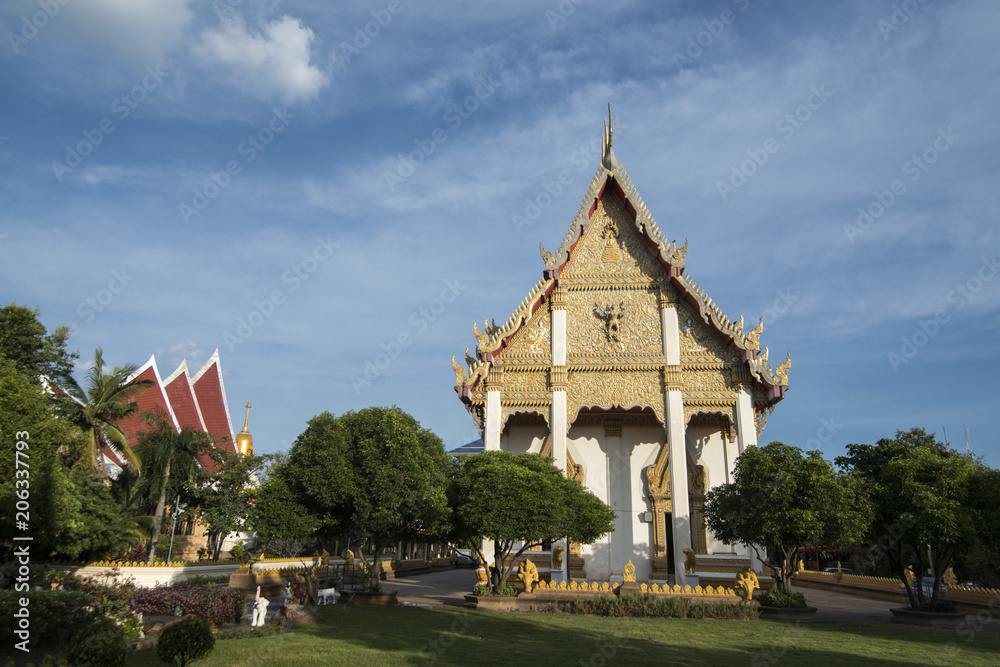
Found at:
<point>198,403</point>
<point>211,396</point>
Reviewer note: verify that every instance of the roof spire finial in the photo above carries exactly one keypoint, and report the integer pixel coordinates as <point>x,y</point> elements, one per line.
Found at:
<point>246,420</point>
<point>608,153</point>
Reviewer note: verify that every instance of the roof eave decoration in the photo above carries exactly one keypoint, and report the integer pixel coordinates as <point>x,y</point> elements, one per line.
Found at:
<point>610,171</point>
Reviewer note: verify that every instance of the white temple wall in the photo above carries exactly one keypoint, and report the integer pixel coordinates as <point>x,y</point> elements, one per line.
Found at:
<point>707,447</point>
<point>523,439</point>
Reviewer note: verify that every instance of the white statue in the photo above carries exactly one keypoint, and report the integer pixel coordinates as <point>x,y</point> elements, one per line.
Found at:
<point>259,610</point>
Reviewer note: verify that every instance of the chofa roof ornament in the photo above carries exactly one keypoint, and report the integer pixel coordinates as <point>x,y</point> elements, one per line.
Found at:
<point>607,152</point>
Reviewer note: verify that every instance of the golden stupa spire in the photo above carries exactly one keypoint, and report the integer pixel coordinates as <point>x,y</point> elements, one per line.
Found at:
<point>244,441</point>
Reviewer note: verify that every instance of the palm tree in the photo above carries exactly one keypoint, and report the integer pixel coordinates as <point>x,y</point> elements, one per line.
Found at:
<point>103,401</point>
<point>164,448</point>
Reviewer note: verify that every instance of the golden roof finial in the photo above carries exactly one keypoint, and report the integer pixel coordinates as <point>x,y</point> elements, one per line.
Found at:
<point>607,152</point>
<point>244,441</point>
<point>246,421</point>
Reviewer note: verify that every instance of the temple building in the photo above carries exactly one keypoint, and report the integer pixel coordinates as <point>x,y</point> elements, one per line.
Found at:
<point>624,371</point>
<point>197,402</point>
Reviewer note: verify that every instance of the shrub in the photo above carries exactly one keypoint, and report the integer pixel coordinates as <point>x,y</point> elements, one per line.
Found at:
<point>651,606</point>
<point>215,605</point>
<point>484,589</point>
<point>726,611</point>
<point>55,616</point>
<point>186,642</point>
<point>773,598</point>
<point>101,643</point>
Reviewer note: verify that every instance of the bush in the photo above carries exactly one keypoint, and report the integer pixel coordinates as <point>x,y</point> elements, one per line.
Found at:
<point>55,616</point>
<point>216,605</point>
<point>724,611</point>
<point>773,598</point>
<point>648,605</point>
<point>101,643</point>
<point>484,589</point>
<point>186,642</point>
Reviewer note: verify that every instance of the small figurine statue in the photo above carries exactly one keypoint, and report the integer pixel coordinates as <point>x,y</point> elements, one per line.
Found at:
<point>286,597</point>
<point>528,574</point>
<point>178,611</point>
<point>690,561</point>
<point>259,610</point>
<point>746,579</point>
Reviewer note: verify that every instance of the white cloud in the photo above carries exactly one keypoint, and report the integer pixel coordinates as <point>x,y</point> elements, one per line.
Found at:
<point>272,62</point>
<point>175,354</point>
<point>136,28</point>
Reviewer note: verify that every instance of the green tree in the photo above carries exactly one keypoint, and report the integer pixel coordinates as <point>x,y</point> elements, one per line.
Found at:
<point>104,400</point>
<point>97,527</point>
<point>163,450</point>
<point>375,471</point>
<point>280,521</point>
<point>223,494</point>
<point>27,415</point>
<point>926,502</point>
<point>779,501</point>
<point>36,353</point>
<point>521,500</point>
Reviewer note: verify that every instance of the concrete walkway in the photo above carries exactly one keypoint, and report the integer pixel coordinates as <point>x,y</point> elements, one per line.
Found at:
<point>437,588</point>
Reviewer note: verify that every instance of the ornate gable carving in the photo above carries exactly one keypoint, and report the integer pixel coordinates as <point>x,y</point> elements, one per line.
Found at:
<point>612,250</point>
<point>590,336</point>
<point>533,343</point>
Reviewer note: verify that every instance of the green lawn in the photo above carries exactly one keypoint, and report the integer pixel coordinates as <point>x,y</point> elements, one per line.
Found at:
<point>409,635</point>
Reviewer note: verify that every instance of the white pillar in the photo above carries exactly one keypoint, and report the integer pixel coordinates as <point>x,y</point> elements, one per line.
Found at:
<point>558,419</point>
<point>671,335</point>
<point>558,337</point>
<point>746,427</point>
<point>491,438</point>
<point>746,432</point>
<point>680,511</point>
<point>559,428</point>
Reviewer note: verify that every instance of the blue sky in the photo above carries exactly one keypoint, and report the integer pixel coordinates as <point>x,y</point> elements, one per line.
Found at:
<point>303,185</point>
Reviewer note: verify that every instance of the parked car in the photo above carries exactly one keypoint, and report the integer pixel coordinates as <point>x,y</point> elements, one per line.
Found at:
<point>843,570</point>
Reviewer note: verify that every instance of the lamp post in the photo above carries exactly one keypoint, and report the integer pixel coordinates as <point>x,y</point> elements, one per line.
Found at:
<point>173,525</point>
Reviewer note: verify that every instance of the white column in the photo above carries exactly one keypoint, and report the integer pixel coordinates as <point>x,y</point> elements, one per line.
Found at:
<point>671,335</point>
<point>559,428</point>
<point>680,510</point>
<point>746,432</point>
<point>746,427</point>
<point>558,337</point>
<point>558,417</point>
<point>491,438</point>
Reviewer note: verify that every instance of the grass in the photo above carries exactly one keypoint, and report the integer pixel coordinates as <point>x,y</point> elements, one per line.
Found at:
<point>451,636</point>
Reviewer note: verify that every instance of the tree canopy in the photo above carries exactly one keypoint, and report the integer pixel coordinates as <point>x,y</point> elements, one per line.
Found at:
<point>375,471</point>
<point>928,505</point>
<point>520,498</point>
<point>780,500</point>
